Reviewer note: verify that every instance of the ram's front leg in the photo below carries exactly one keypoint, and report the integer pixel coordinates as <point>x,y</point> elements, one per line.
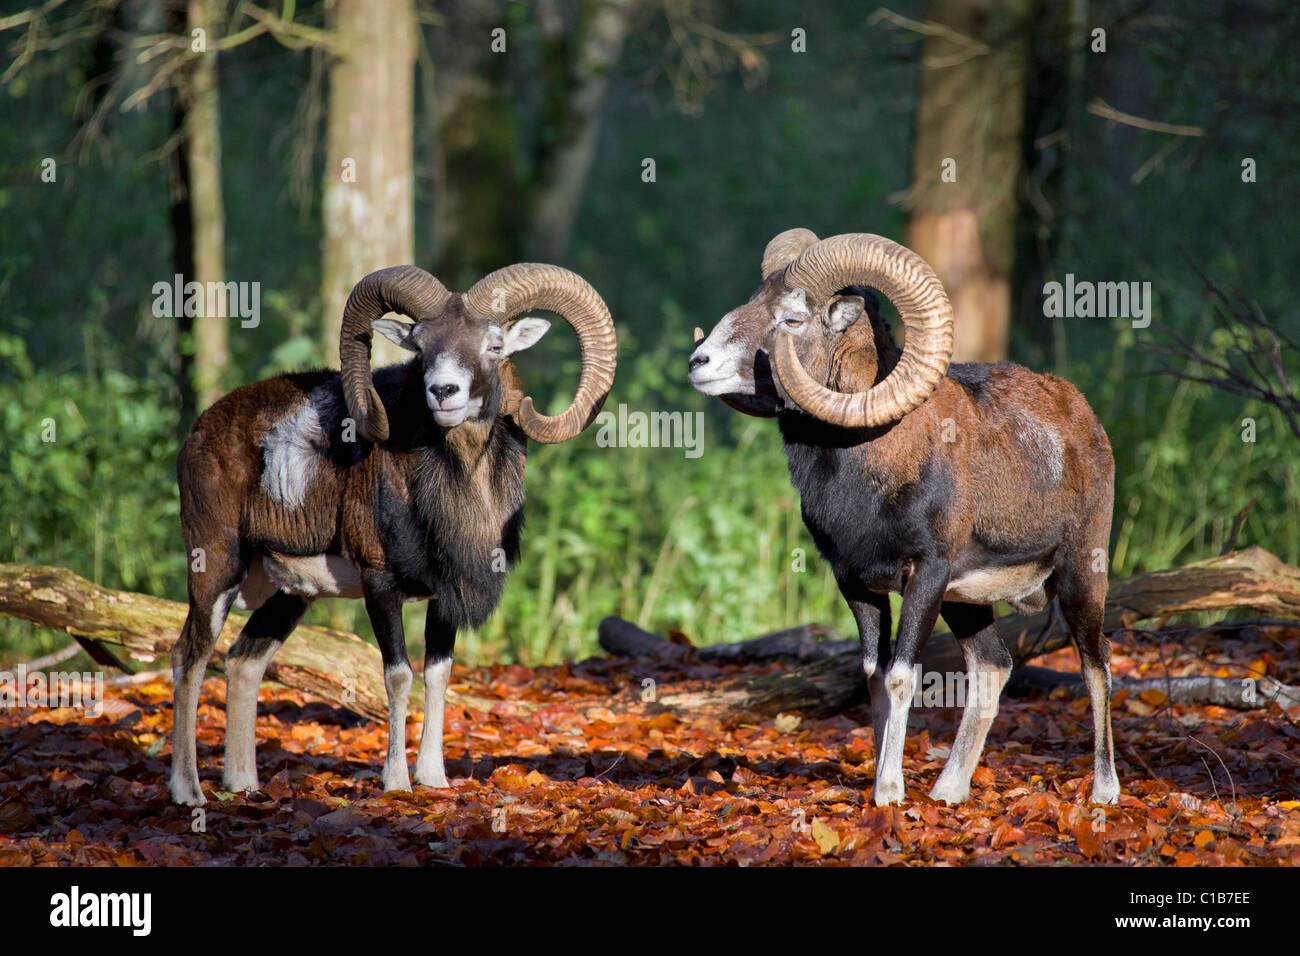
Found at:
<point>385,609</point>
<point>922,595</point>
<point>439,642</point>
<point>871,611</point>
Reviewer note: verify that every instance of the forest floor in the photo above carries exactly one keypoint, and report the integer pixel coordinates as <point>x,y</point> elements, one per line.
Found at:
<point>571,767</point>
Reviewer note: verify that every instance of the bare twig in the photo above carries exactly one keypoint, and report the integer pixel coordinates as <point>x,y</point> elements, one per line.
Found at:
<point>58,657</point>
<point>1250,364</point>
<point>140,677</point>
<point>968,47</point>
<point>1231,544</point>
<point>1100,107</point>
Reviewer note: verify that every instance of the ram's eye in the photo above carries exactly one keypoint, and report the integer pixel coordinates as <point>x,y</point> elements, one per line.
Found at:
<point>793,320</point>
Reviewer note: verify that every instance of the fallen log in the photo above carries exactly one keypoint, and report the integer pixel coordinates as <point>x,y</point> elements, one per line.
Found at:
<point>1251,578</point>
<point>334,665</point>
<point>806,643</point>
<point>342,668</point>
<point>1237,693</point>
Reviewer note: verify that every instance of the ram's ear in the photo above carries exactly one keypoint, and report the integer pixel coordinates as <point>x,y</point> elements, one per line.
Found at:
<point>843,311</point>
<point>523,333</point>
<point>399,333</point>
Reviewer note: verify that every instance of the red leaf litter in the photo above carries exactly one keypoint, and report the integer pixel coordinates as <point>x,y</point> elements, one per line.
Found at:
<point>570,767</point>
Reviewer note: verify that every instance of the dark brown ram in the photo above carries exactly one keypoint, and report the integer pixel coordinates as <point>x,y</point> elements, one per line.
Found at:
<point>957,486</point>
<point>401,486</point>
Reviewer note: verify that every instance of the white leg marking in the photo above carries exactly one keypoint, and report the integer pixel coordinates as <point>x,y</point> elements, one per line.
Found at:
<point>186,684</point>
<point>982,693</point>
<point>899,685</point>
<point>243,678</point>
<point>1105,781</point>
<point>397,680</point>
<point>221,610</point>
<point>879,709</point>
<point>429,770</point>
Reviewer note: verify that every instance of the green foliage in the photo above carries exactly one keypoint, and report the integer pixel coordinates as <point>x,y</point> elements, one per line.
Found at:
<point>1185,465</point>
<point>91,485</point>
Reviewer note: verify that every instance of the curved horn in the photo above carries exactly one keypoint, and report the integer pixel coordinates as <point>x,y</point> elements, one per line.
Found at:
<point>907,281</point>
<point>405,289</point>
<point>785,248</point>
<point>530,285</point>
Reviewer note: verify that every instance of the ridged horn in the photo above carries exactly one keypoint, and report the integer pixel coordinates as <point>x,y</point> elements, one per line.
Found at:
<point>785,248</point>
<point>907,280</point>
<point>503,294</point>
<point>408,290</point>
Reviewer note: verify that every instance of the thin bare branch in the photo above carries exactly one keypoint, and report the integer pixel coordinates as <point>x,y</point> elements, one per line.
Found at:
<point>1099,107</point>
<point>1251,366</point>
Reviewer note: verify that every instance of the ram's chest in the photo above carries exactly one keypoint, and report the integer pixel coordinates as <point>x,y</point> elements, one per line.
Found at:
<point>452,521</point>
<point>868,520</point>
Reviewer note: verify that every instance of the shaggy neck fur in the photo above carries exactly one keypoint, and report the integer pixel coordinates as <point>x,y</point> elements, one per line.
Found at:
<point>467,503</point>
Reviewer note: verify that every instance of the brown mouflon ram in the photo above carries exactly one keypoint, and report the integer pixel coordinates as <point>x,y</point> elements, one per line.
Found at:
<point>401,486</point>
<point>956,485</point>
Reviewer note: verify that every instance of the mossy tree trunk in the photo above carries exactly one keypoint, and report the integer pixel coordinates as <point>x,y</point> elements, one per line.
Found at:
<point>198,214</point>
<point>203,158</point>
<point>368,208</point>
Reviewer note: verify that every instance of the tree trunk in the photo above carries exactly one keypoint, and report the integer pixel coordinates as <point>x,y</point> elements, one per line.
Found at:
<point>1054,97</point>
<point>1251,578</point>
<point>203,156</point>
<point>1237,693</point>
<point>966,163</point>
<point>197,211</point>
<point>489,208</point>
<point>598,37</point>
<point>477,190</point>
<point>368,207</point>
<point>182,225</point>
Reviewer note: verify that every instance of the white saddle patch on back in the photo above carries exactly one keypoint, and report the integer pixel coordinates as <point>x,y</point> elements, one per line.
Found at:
<point>292,447</point>
<point>986,585</point>
<point>1044,443</point>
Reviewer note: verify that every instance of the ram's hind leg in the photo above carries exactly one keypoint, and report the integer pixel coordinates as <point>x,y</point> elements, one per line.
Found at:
<point>439,642</point>
<point>212,592</point>
<point>246,662</point>
<point>988,665</point>
<point>1081,594</point>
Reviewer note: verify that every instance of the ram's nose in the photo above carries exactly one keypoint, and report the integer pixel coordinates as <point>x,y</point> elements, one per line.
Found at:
<point>443,392</point>
<point>698,359</point>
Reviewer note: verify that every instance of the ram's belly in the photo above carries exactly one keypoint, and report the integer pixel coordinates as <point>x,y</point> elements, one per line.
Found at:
<point>312,576</point>
<point>1017,583</point>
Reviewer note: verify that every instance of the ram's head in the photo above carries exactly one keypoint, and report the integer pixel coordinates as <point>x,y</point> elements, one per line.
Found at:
<point>462,340</point>
<point>784,348</point>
